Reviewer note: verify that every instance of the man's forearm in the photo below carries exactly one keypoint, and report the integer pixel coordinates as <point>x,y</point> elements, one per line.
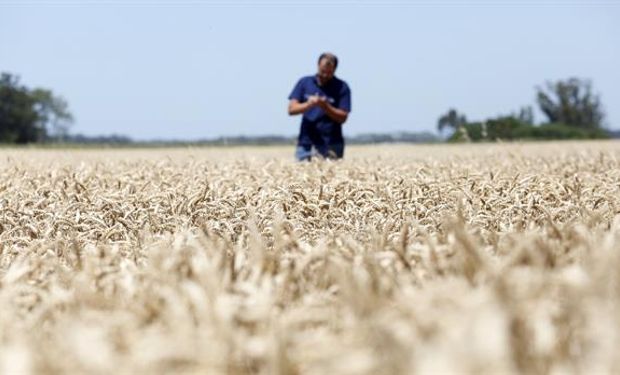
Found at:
<point>296,108</point>
<point>336,114</point>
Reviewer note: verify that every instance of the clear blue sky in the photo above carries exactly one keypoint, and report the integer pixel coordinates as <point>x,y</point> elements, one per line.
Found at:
<point>200,69</point>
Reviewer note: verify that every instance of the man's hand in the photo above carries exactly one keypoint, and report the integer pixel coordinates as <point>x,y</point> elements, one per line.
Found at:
<point>314,100</point>
<point>336,114</point>
<point>322,102</point>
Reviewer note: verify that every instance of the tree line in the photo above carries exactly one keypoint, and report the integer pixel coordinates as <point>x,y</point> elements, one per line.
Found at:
<point>571,108</point>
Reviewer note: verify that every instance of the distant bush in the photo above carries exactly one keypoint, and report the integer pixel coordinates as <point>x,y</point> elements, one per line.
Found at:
<point>561,131</point>
<point>510,128</point>
<point>507,128</point>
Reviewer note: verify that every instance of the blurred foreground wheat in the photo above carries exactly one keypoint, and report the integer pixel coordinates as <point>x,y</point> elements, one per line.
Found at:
<point>406,260</point>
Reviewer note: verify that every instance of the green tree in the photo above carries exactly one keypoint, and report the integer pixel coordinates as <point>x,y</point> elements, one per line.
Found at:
<point>19,121</point>
<point>451,120</point>
<point>572,103</point>
<point>30,115</point>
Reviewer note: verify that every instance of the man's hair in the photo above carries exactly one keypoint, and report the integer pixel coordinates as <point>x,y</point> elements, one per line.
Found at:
<point>330,57</point>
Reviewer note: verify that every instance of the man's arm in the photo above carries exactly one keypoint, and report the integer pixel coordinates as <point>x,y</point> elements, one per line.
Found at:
<point>336,114</point>
<point>296,108</point>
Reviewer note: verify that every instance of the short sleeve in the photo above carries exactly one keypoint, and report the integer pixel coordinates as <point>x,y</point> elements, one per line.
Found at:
<point>345,98</point>
<point>298,92</point>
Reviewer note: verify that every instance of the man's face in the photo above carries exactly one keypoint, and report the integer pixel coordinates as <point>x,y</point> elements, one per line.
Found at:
<point>326,70</point>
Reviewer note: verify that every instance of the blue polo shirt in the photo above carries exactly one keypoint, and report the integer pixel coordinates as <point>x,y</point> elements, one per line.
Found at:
<point>317,128</point>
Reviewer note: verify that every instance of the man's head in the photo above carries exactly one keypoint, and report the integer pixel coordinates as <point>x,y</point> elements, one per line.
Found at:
<point>328,62</point>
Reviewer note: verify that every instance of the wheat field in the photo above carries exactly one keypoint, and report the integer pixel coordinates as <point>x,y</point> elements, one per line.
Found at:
<point>437,259</point>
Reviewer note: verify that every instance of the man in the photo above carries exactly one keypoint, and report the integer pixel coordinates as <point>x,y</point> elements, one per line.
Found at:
<point>325,102</point>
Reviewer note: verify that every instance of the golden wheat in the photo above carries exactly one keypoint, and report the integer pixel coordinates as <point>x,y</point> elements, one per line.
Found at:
<point>400,260</point>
